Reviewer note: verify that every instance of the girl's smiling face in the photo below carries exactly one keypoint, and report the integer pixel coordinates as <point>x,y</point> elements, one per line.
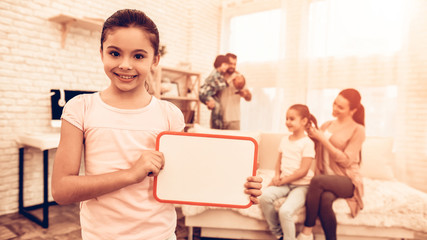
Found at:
<point>294,121</point>
<point>128,57</point>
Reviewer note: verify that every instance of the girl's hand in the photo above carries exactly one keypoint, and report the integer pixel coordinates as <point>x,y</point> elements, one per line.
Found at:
<point>149,164</point>
<point>282,181</point>
<point>253,188</point>
<point>275,181</point>
<point>272,183</point>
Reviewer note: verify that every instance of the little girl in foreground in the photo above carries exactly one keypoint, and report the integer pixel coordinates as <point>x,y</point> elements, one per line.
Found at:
<point>117,129</point>
<point>292,175</point>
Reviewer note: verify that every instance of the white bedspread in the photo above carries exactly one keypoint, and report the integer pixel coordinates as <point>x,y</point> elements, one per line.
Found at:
<point>387,204</point>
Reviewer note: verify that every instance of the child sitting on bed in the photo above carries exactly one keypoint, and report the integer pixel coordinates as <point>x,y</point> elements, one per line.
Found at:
<point>292,175</point>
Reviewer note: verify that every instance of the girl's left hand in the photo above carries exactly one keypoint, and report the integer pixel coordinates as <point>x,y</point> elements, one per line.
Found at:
<point>275,181</point>
<point>253,188</point>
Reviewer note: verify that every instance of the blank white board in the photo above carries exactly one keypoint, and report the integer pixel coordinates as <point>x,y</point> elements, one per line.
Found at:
<point>205,169</point>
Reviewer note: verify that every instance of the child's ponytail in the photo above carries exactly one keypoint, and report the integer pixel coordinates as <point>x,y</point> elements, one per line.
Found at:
<point>312,122</point>
<point>305,113</point>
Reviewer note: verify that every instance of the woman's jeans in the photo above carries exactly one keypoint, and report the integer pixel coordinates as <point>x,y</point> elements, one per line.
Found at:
<point>281,223</point>
<point>322,192</point>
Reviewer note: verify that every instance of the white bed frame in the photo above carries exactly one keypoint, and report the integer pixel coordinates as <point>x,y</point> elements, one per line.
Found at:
<point>223,223</point>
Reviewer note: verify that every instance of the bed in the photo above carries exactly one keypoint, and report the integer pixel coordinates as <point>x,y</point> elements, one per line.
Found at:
<point>393,210</point>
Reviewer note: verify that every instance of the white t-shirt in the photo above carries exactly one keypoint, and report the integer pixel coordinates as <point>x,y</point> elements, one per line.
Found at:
<point>114,139</point>
<point>230,104</point>
<point>292,153</point>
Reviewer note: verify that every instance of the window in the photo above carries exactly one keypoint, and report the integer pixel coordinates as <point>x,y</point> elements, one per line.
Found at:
<point>256,37</point>
<point>267,113</point>
<point>379,102</point>
<point>355,27</point>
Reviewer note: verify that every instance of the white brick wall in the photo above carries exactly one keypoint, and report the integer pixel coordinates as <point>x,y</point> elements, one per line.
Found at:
<point>33,62</point>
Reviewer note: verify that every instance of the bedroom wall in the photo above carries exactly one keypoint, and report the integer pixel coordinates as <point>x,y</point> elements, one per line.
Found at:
<point>33,62</point>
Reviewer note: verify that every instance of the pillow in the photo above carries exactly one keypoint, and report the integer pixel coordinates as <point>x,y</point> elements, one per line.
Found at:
<point>269,149</point>
<point>377,158</point>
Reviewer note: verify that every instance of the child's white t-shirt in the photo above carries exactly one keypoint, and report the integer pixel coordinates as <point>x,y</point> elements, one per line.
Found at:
<point>114,139</point>
<point>292,153</point>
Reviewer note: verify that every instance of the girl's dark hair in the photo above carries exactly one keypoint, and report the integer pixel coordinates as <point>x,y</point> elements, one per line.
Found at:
<point>354,98</point>
<point>304,112</point>
<point>132,18</point>
<point>219,60</point>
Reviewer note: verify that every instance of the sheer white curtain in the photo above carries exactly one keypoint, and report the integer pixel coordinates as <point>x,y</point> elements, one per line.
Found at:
<point>376,46</point>
<point>254,31</point>
<point>356,44</point>
<point>370,45</point>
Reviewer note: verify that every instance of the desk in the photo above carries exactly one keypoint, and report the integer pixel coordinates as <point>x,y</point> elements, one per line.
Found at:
<point>44,142</point>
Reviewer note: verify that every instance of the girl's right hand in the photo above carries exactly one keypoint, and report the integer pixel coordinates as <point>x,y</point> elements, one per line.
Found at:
<point>275,181</point>
<point>149,164</point>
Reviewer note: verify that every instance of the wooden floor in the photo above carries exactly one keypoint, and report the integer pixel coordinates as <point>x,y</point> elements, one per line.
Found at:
<point>64,224</point>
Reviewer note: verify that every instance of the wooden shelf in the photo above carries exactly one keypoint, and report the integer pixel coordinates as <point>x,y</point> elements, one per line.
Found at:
<point>188,83</point>
<point>67,21</point>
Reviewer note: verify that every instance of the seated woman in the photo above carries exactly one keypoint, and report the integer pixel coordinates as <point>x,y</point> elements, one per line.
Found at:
<point>338,162</point>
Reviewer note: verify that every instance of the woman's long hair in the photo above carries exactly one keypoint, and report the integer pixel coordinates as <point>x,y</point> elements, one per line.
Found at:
<point>354,98</point>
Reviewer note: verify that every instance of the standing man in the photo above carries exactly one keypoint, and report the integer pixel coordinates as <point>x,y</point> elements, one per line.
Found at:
<point>210,89</point>
<point>230,96</point>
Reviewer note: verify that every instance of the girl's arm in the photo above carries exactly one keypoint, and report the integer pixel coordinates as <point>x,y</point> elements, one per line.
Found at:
<point>300,172</point>
<point>278,165</point>
<point>277,171</point>
<point>69,187</point>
